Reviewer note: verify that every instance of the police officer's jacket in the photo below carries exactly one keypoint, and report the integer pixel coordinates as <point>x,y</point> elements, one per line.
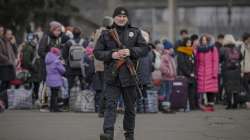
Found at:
<point>132,39</point>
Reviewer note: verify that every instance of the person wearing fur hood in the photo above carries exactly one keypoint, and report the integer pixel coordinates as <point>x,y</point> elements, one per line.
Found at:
<point>207,70</point>
<point>231,69</point>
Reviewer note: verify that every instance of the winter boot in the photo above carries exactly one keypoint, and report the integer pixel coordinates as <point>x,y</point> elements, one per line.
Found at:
<point>106,137</point>
<point>129,135</point>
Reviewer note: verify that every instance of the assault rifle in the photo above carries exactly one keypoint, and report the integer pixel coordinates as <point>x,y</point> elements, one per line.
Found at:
<point>125,61</point>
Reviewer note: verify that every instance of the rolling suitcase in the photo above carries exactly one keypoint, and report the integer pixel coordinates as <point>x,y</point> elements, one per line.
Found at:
<point>179,93</point>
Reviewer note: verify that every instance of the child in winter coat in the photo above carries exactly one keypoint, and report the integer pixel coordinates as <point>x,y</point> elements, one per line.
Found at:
<point>54,78</point>
<point>168,70</point>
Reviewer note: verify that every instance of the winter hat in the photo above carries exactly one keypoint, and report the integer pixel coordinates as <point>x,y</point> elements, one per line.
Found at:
<point>54,25</point>
<point>120,11</point>
<point>107,21</point>
<point>55,51</point>
<point>167,44</point>
<point>229,40</point>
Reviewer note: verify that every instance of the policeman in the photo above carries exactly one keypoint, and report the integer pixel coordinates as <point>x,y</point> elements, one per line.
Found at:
<point>120,82</point>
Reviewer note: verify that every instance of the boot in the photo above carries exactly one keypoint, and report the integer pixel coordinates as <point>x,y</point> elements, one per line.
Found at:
<point>129,135</point>
<point>57,107</point>
<point>101,115</point>
<point>229,105</point>
<point>106,137</point>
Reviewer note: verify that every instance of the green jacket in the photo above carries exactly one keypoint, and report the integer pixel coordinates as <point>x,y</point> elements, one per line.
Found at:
<point>29,53</point>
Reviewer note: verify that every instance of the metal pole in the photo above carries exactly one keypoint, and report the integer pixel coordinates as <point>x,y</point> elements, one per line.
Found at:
<point>153,24</point>
<point>172,21</point>
<point>229,13</point>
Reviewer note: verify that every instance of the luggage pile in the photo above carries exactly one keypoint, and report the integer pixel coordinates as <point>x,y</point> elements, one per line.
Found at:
<point>19,98</point>
<point>82,100</point>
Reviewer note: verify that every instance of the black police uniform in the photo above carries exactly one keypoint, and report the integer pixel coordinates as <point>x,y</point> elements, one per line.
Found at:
<point>121,82</point>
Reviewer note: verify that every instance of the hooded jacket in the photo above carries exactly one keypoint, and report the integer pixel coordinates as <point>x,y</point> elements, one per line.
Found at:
<point>168,65</point>
<point>54,69</point>
<point>207,68</point>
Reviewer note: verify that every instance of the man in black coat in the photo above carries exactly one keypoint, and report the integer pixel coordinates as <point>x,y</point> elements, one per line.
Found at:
<point>121,81</point>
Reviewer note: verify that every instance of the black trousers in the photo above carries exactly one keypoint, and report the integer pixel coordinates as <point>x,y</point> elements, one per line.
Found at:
<point>3,92</point>
<point>98,102</point>
<point>210,97</point>
<point>192,96</point>
<point>54,98</point>
<point>102,103</point>
<point>35,85</point>
<point>129,95</point>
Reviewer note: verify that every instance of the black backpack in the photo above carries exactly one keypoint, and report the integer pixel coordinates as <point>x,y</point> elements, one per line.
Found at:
<point>233,56</point>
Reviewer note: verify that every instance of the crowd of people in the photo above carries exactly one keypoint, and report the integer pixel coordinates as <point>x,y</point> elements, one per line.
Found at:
<point>119,68</point>
<point>216,70</point>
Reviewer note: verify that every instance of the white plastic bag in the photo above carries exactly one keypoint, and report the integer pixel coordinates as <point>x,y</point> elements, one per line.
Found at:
<point>20,98</point>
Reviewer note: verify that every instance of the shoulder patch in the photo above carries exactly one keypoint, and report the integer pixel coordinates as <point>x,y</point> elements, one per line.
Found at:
<point>131,34</point>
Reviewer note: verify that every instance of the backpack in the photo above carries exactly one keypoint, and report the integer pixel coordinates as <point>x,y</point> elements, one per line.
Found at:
<point>76,53</point>
<point>34,54</point>
<point>232,58</point>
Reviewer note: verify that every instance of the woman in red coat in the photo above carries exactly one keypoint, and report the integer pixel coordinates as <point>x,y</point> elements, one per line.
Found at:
<point>207,67</point>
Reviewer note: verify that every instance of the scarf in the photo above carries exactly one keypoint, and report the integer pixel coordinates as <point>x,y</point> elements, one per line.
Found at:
<point>204,48</point>
<point>186,50</point>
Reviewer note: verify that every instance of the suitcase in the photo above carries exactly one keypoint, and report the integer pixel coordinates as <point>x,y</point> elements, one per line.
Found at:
<point>179,95</point>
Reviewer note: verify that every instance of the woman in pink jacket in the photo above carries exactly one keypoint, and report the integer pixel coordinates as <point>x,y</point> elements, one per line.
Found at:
<point>207,64</point>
